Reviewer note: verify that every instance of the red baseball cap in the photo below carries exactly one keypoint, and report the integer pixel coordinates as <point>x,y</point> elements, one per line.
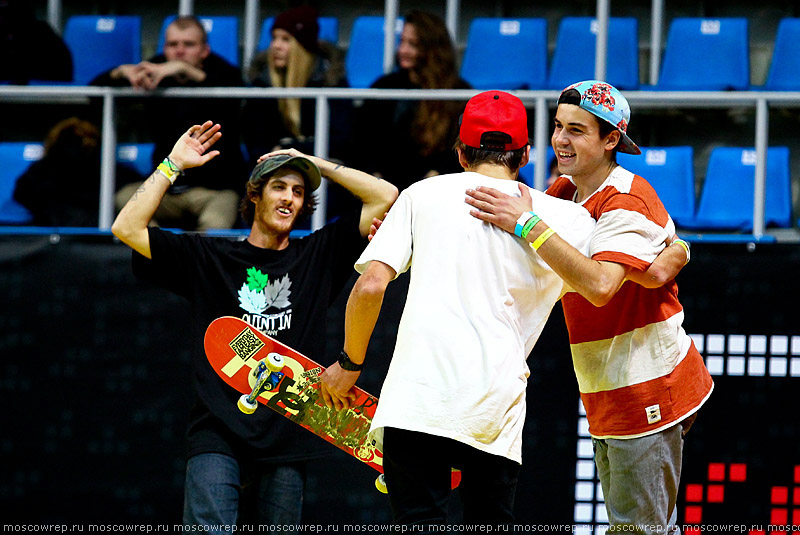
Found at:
<point>494,120</point>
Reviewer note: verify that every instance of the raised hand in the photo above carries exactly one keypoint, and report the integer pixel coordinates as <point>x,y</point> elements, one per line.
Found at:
<point>288,152</point>
<point>191,150</point>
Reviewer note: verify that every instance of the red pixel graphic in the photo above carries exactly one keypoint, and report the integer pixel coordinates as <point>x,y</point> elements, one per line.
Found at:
<point>783,499</point>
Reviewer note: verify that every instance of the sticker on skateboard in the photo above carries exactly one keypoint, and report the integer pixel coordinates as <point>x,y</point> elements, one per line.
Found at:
<point>266,371</point>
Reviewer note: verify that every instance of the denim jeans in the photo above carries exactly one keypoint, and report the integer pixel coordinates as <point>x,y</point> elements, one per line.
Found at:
<point>216,486</point>
<point>640,478</point>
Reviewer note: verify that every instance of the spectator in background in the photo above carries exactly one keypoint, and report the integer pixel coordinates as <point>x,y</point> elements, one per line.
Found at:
<point>63,188</point>
<point>422,132</point>
<point>29,48</point>
<point>295,58</point>
<point>208,196</point>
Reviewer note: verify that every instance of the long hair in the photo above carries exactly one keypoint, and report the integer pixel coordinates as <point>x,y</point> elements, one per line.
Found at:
<point>73,136</point>
<point>435,69</point>
<point>299,68</point>
<point>255,188</point>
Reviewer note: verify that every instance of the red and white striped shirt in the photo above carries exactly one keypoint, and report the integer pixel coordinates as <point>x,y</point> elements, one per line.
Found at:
<point>637,369</point>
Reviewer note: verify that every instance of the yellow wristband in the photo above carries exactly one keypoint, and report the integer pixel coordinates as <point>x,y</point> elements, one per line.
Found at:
<point>685,245</point>
<point>169,170</point>
<point>542,238</point>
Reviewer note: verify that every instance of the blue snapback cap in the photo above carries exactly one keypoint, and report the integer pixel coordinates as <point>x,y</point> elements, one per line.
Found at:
<point>606,102</point>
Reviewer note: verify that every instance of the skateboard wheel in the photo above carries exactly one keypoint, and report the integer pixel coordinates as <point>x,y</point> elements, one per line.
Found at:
<point>274,362</point>
<point>245,406</point>
<point>380,484</point>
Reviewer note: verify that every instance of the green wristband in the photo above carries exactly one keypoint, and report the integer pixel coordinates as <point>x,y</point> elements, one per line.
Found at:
<point>528,226</point>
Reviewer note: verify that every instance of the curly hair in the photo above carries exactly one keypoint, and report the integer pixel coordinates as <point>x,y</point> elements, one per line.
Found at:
<point>72,135</point>
<point>255,189</point>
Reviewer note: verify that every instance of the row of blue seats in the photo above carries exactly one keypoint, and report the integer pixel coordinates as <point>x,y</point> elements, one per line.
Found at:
<point>99,43</point>
<point>17,156</point>
<point>726,201</point>
<point>700,54</point>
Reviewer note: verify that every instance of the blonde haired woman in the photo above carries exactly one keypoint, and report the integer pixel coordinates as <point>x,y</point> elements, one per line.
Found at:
<point>295,58</point>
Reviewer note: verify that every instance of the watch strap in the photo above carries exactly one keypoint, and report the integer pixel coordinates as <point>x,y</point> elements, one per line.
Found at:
<point>346,364</point>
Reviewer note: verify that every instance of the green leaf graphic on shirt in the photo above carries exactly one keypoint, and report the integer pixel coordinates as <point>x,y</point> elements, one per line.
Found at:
<point>256,280</point>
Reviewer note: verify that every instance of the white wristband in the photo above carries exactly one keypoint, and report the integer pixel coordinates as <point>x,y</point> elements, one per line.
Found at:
<point>523,218</point>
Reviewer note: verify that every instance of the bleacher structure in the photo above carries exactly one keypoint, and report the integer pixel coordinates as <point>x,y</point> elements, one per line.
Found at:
<point>576,45</point>
<point>99,43</point>
<point>670,170</point>
<point>699,54</point>
<point>506,54</point>
<point>706,55</point>
<point>364,58</point>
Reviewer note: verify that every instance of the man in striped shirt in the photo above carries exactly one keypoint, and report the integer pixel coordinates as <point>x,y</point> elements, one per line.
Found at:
<point>641,378</point>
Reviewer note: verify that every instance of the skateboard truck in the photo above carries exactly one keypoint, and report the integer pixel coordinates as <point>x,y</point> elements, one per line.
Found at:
<point>268,375</point>
<point>380,484</point>
<point>455,480</point>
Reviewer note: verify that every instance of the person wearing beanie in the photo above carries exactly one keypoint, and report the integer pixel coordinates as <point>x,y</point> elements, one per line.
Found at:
<point>641,378</point>
<point>295,58</point>
<point>454,395</point>
<point>302,24</point>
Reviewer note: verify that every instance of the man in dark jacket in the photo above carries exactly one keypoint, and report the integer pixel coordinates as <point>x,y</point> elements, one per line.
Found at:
<point>210,195</point>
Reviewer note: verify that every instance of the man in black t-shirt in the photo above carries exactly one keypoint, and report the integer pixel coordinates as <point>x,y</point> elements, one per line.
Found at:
<point>279,284</point>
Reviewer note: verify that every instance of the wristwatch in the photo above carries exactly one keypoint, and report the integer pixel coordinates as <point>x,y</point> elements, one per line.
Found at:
<point>346,364</point>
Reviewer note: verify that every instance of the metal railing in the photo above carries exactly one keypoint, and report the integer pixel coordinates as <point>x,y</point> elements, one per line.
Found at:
<point>540,101</point>
<point>252,8</point>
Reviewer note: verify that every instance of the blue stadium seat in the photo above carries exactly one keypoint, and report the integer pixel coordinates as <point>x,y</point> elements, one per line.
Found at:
<point>15,157</point>
<point>138,156</point>
<point>706,55</point>
<point>670,170</point>
<point>726,202</point>
<point>223,35</point>
<point>100,43</point>
<point>328,31</point>
<point>506,54</point>
<point>527,171</point>
<point>784,71</point>
<point>574,55</point>
<point>364,58</point>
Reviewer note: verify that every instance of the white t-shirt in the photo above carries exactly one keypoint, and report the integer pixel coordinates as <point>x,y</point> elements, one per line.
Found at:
<point>477,301</point>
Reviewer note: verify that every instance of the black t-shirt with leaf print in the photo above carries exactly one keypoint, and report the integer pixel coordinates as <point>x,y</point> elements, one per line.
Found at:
<point>284,293</point>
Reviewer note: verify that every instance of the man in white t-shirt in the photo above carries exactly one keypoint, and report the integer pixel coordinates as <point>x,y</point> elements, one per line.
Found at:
<point>477,301</point>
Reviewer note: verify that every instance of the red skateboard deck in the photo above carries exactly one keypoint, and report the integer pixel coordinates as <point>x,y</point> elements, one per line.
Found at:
<point>271,373</point>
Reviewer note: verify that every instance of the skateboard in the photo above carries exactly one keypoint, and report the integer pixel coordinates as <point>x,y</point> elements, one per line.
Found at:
<point>266,371</point>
